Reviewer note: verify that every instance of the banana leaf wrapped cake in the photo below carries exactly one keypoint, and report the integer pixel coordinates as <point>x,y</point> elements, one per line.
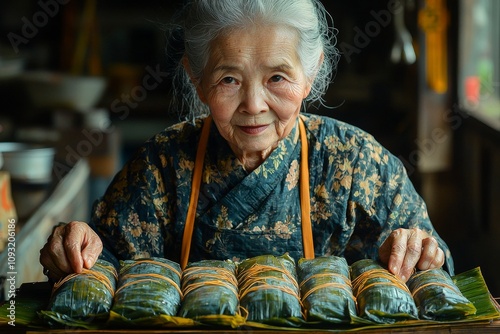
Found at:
<point>437,297</point>
<point>80,300</point>
<point>381,296</point>
<point>209,288</point>
<point>326,291</point>
<point>147,288</point>
<point>269,290</point>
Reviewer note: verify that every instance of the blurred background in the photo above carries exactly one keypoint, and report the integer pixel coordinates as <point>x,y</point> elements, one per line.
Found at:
<point>88,80</point>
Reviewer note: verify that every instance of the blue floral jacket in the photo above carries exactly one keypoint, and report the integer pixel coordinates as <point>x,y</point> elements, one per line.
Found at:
<point>359,193</point>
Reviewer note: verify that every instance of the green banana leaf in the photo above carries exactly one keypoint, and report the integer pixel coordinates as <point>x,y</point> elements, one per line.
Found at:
<point>22,310</point>
<point>32,298</point>
<point>381,296</point>
<point>82,300</point>
<point>203,280</point>
<point>150,321</point>
<point>269,291</point>
<point>437,297</point>
<point>147,288</point>
<point>473,286</point>
<point>326,292</point>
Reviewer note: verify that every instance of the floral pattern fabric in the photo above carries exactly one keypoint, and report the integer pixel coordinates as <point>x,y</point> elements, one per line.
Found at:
<point>359,193</point>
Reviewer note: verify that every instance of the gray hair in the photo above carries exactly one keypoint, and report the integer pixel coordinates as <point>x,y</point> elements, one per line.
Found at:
<point>201,21</point>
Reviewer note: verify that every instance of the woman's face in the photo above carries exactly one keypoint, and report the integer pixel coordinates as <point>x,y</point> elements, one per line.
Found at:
<point>254,86</point>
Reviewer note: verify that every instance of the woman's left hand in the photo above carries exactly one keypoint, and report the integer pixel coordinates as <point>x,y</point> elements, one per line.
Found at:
<point>407,249</point>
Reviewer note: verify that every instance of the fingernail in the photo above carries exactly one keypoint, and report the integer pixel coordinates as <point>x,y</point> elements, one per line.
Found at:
<point>87,261</point>
<point>403,278</point>
<point>425,265</point>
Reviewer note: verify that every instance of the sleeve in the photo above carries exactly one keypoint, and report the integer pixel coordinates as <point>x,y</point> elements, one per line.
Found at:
<point>133,216</point>
<point>383,199</point>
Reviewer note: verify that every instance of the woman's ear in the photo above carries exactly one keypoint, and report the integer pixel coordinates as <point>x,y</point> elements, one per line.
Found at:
<point>194,81</point>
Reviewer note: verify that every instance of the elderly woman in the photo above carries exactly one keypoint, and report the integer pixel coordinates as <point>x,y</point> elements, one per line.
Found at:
<point>251,174</point>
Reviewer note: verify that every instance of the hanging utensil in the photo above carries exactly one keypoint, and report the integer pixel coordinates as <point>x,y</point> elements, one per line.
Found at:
<point>402,48</point>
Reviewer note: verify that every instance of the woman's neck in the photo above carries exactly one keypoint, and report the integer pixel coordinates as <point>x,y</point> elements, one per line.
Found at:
<point>252,160</point>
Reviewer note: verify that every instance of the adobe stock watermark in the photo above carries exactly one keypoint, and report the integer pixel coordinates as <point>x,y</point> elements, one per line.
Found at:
<point>454,117</point>
<point>122,106</point>
<point>12,272</point>
<point>93,138</point>
<point>372,29</point>
<point>31,27</point>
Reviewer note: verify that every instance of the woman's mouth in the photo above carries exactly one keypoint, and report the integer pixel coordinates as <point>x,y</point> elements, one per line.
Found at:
<point>254,130</point>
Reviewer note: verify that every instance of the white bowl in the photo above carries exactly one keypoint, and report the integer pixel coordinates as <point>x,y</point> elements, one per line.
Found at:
<point>11,67</point>
<point>28,163</point>
<point>49,90</point>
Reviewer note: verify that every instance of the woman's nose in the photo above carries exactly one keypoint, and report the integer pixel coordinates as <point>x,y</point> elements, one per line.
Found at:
<point>254,100</point>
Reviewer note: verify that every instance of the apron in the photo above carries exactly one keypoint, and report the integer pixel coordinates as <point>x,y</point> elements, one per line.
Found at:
<point>195,188</point>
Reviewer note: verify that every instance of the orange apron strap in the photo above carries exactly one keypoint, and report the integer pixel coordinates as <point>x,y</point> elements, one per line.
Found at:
<point>195,191</point>
<point>305,203</point>
<point>305,198</point>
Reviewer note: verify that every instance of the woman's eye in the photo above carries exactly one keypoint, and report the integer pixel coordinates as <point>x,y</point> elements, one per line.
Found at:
<point>276,78</point>
<point>228,80</point>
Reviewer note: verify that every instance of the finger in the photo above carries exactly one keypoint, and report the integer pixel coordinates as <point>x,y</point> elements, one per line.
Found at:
<point>49,267</point>
<point>91,249</point>
<point>397,245</point>
<point>57,261</point>
<point>430,249</point>
<point>412,254</point>
<point>73,240</point>
<point>438,260</point>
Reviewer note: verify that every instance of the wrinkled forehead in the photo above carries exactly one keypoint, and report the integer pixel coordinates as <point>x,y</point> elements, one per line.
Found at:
<point>271,41</point>
<point>262,34</point>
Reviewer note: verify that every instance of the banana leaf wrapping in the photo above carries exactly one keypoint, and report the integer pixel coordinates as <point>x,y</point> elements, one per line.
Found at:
<point>381,296</point>
<point>79,300</point>
<point>209,288</point>
<point>31,299</point>
<point>437,297</point>
<point>269,290</point>
<point>326,291</point>
<point>147,288</point>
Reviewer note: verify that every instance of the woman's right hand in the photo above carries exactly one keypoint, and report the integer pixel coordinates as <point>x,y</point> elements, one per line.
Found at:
<point>69,249</point>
